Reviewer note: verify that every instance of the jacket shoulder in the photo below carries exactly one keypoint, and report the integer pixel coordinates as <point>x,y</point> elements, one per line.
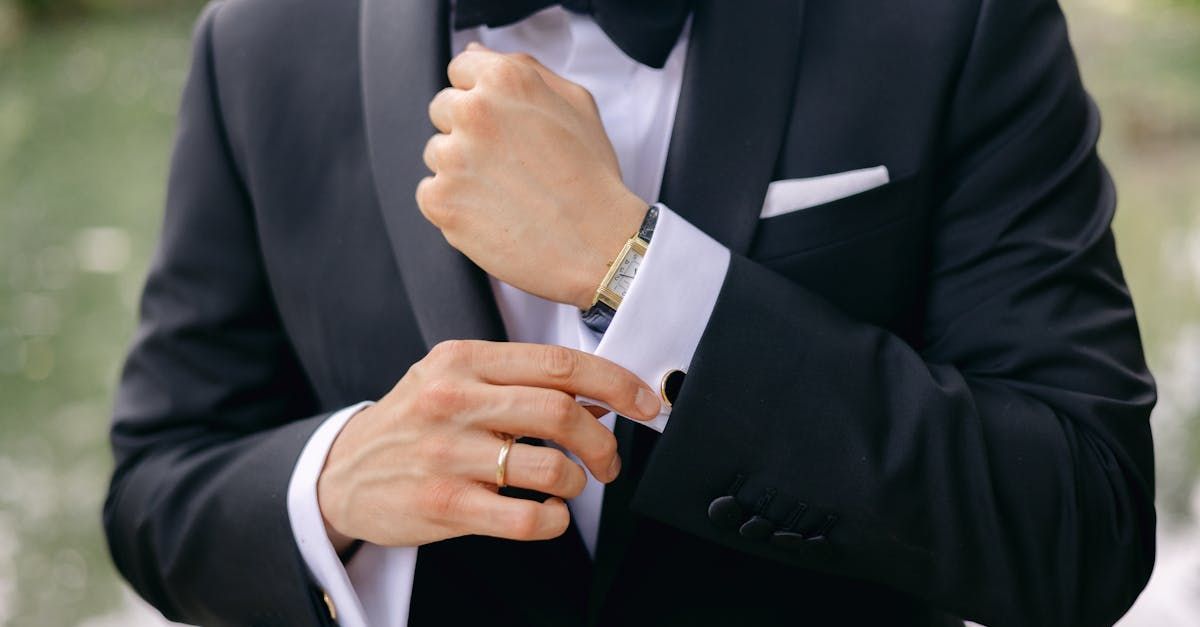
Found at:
<point>267,39</point>
<point>273,65</point>
<point>284,26</point>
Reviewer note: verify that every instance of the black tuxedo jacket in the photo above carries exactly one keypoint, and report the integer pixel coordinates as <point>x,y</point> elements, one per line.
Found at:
<point>932,395</point>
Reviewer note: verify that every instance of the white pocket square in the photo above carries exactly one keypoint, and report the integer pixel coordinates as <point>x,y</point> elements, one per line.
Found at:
<point>796,194</point>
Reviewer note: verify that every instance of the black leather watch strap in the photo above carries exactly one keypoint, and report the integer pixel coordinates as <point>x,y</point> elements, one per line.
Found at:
<point>646,230</point>
<point>599,316</point>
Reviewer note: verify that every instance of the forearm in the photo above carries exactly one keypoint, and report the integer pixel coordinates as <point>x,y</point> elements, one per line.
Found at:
<point>198,524</point>
<point>210,413</point>
<point>1009,501</point>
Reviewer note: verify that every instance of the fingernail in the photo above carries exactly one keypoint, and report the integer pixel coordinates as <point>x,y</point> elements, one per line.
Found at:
<point>614,468</point>
<point>648,403</point>
<point>475,45</point>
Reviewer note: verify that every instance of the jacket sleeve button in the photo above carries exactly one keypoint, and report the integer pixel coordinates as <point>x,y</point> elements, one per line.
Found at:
<point>725,513</point>
<point>787,539</point>
<point>757,528</point>
<point>818,547</point>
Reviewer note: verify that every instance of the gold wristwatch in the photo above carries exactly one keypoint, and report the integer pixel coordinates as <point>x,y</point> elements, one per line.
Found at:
<point>620,275</point>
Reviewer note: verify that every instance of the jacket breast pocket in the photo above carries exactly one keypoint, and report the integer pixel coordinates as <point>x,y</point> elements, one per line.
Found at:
<point>843,219</point>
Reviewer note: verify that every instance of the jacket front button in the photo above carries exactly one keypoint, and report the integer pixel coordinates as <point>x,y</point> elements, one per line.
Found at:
<point>725,513</point>
<point>757,528</point>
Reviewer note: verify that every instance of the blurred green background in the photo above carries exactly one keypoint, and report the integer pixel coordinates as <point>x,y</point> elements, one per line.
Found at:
<point>88,92</point>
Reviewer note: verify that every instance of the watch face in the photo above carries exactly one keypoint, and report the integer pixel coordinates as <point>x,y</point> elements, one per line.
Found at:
<point>625,272</point>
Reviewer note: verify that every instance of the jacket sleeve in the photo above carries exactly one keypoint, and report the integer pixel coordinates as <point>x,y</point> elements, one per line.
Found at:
<point>1003,468</point>
<point>212,410</point>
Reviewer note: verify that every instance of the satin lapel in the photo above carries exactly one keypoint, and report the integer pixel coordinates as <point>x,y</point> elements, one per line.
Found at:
<point>404,52</point>
<point>732,115</point>
<point>738,89</point>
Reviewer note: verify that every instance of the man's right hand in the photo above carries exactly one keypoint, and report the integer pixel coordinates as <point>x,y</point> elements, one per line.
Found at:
<point>420,465</point>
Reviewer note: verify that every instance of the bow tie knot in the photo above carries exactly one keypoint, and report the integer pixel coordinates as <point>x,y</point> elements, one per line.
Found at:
<point>646,30</point>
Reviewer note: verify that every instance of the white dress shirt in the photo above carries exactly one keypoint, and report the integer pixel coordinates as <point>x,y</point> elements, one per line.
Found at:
<point>655,330</point>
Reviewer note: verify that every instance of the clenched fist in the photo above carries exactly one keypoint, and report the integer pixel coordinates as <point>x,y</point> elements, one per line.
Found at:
<point>420,465</point>
<point>526,183</point>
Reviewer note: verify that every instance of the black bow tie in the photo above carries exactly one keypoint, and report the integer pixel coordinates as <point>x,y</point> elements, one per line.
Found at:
<point>646,30</point>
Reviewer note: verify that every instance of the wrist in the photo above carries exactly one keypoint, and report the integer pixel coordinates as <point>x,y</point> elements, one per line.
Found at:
<point>340,541</point>
<point>332,489</point>
<point>627,214</point>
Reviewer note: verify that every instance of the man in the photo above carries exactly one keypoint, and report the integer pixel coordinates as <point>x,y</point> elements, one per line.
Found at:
<point>853,261</point>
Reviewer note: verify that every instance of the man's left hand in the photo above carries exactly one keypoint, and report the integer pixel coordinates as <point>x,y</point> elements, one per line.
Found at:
<point>526,183</point>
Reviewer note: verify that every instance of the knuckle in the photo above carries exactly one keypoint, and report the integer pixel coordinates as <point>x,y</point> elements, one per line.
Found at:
<point>444,213</point>
<point>508,72</point>
<point>450,155</point>
<point>439,397</point>
<point>582,95</point>
<point>446,216</point>
<point>433,200</point>
<point>559,410</point>
<point>557,521</point>
<point>475,111</point>
<point>523,57</point>
<point>450,353</point>
<point>423,191</point>
<point>438,103</point>
<point>442,498</point>
<point>525,521</point>
<point>550,470</point>
<point>623,384</point>
<point>606,448</point>
<point>558,363</point>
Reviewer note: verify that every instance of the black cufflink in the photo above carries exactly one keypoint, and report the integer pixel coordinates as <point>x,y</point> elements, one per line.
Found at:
<point>669,387</point>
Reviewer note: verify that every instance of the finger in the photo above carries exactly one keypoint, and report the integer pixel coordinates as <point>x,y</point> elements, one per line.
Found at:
<point>574,93</point>
<point>551,415</point>
<point>441,108</point>
<point>557,367</point>
<point>474,509</point>
<point>540,468</point>
<point>468,66</point>
<point>426,196</point>
<point>435,151</point>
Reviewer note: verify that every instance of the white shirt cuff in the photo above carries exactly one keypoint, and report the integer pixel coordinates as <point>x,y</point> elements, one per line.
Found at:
<point>662,317</point>
<point>375,588</point>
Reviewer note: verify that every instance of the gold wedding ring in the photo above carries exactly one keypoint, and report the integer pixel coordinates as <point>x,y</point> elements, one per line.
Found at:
<point>502,460</point>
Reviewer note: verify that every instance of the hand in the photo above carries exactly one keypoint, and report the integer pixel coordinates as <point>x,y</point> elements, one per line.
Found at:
<point>525,182</point>
<point>420,465</point>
